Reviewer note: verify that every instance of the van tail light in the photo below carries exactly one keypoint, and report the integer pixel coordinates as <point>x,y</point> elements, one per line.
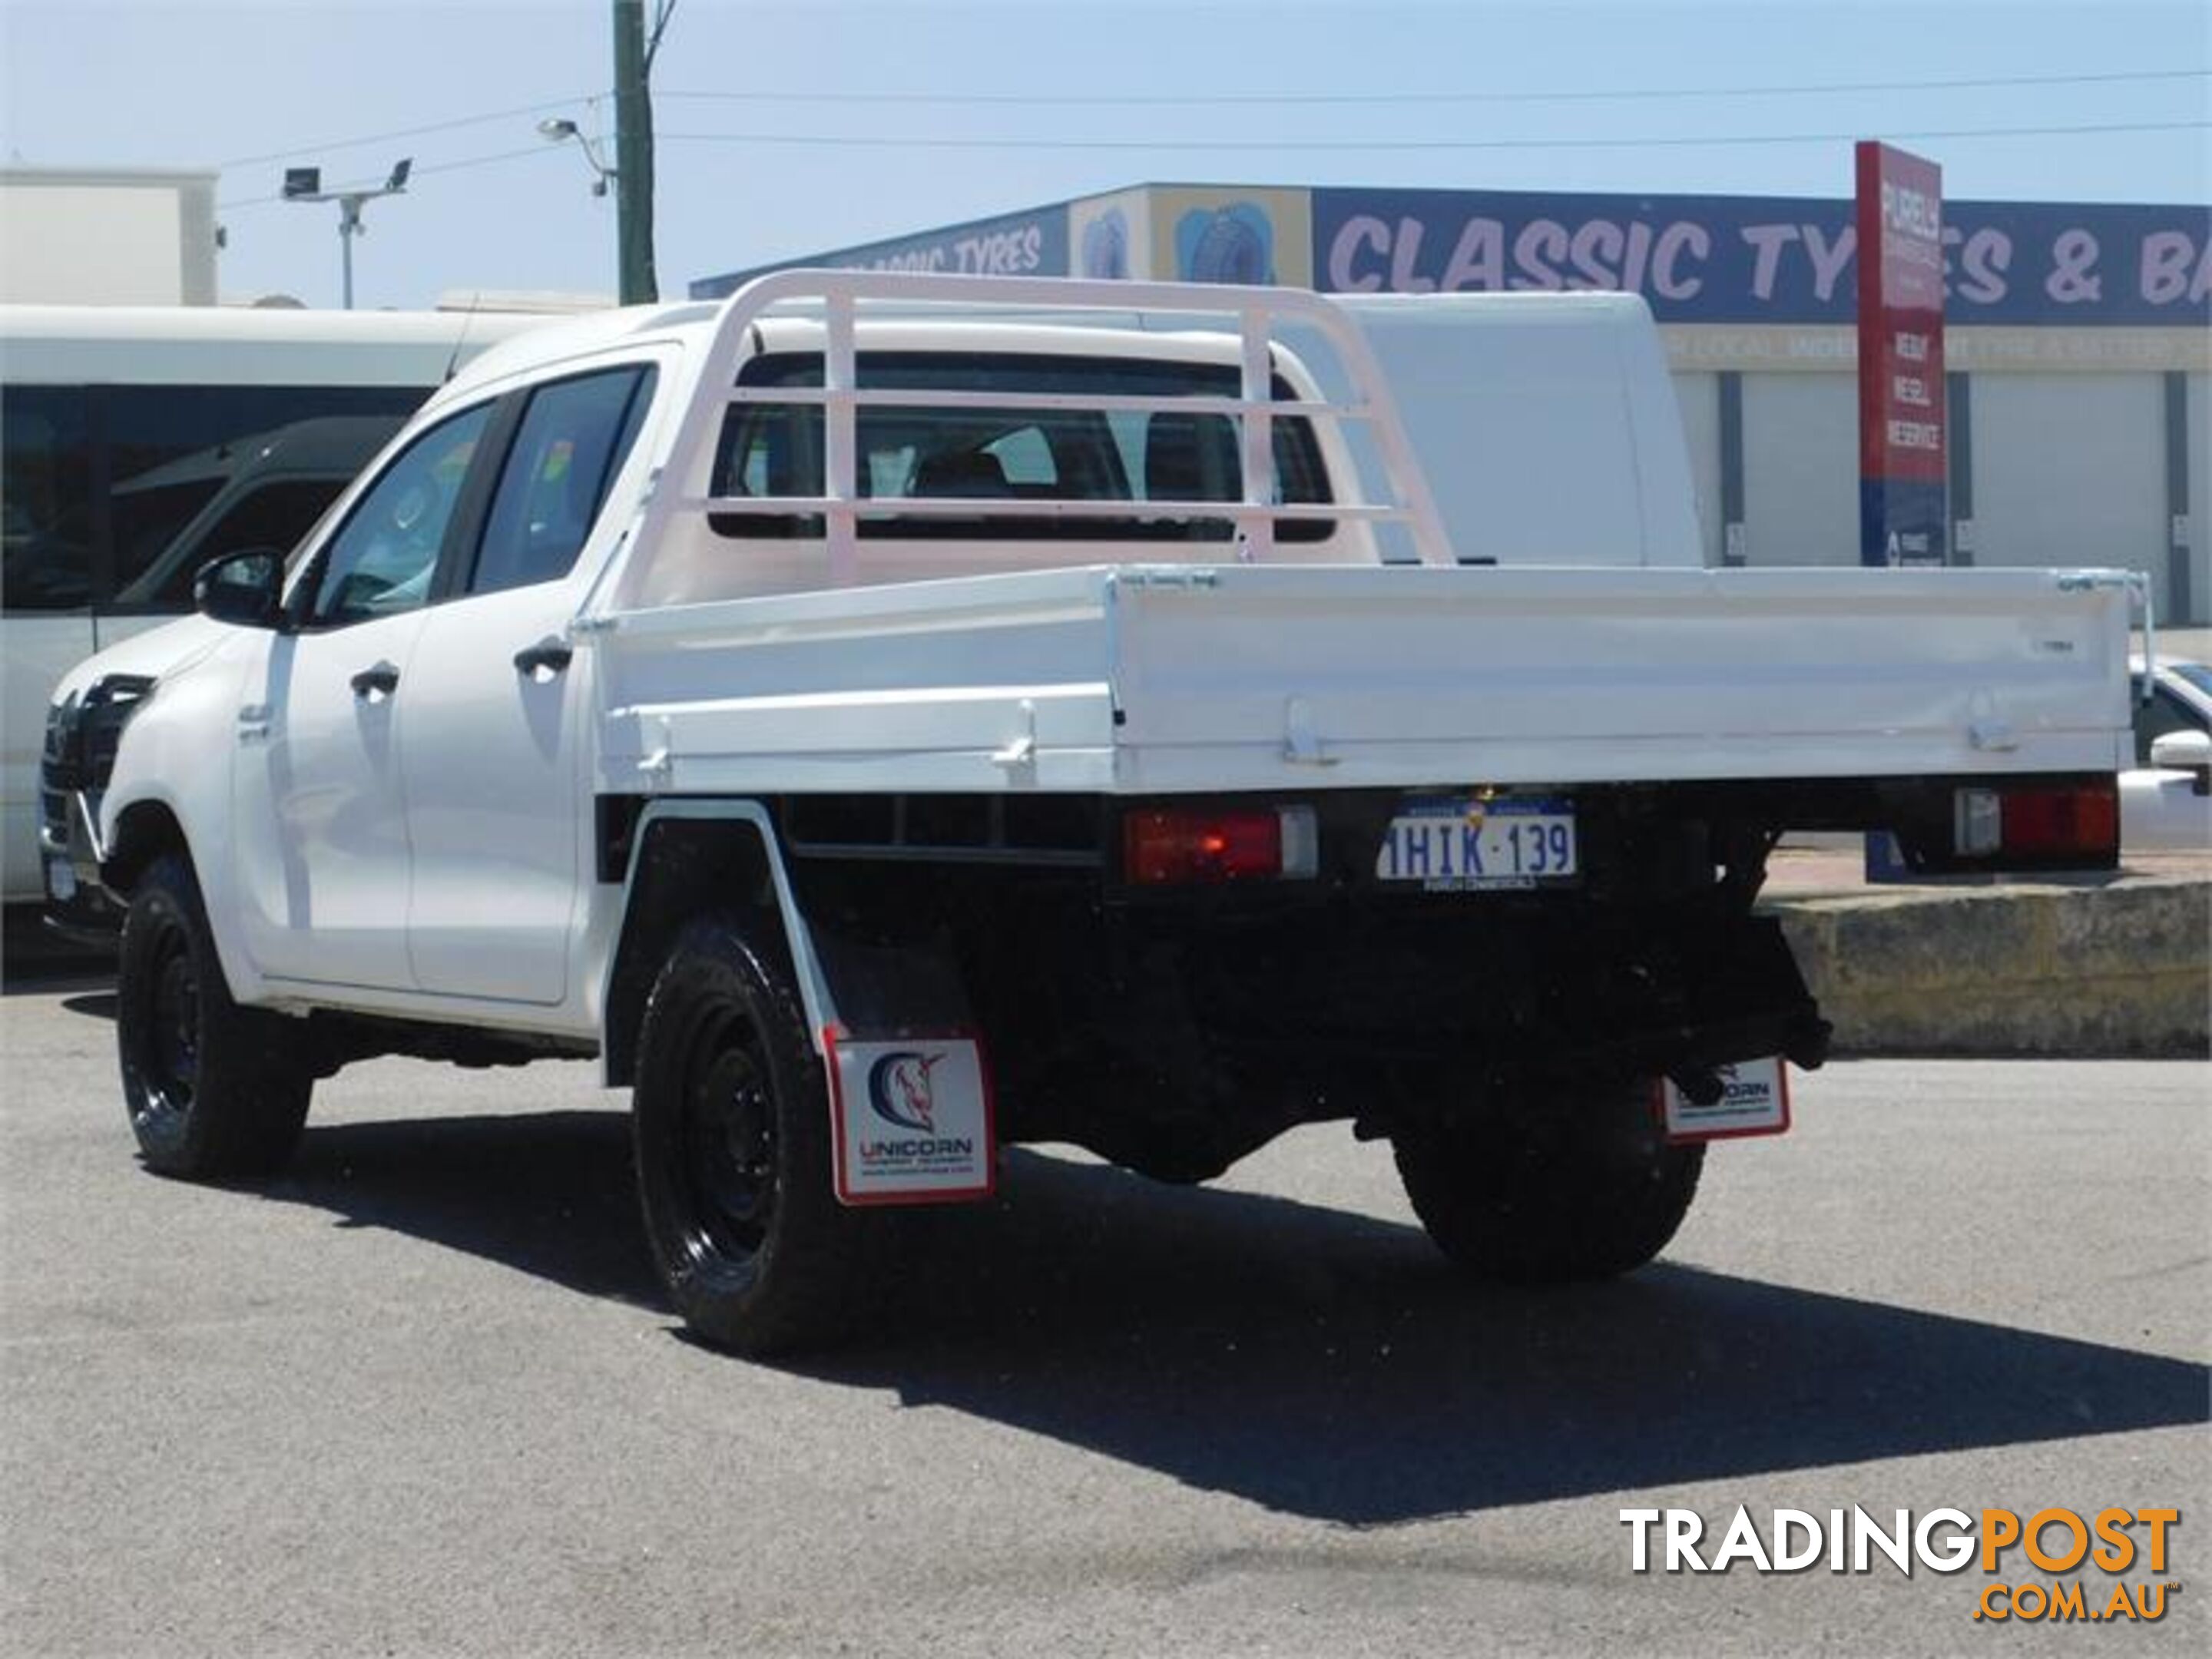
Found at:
<point>1181,844</point>
<point>2042,825</point>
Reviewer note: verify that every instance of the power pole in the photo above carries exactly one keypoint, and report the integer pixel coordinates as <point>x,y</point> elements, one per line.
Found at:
<point>634,153</point>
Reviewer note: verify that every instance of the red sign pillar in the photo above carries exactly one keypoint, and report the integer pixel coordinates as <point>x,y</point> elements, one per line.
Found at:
<point>1903,506</point>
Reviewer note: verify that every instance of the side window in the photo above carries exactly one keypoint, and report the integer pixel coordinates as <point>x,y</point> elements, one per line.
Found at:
<point>158,455</point>
<point>45,499</point>
<point>171,449</point>
<point>384,559</point>
<point>277,514</point>
<point>573,440</point>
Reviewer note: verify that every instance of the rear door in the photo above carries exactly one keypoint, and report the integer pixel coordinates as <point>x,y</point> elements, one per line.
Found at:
<point>490,758</point>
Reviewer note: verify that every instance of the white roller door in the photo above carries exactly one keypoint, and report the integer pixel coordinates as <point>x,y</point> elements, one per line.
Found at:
<point>1801,469</point>
<point>1699,395</point>
<point>2070,469</point>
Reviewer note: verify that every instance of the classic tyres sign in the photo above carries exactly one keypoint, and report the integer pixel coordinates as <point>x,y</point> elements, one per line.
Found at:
<point>1775,260</point>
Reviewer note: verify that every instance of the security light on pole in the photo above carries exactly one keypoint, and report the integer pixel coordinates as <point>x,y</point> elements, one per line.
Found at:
<point>556,130</point>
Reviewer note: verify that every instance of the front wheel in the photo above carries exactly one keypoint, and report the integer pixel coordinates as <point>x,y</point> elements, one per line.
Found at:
<point>214,1091</point>
<point>1584,1187</point>
<point>731,1126</point>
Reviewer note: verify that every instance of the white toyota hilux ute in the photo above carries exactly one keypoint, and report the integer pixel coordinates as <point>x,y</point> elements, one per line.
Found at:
<point>885,718</point>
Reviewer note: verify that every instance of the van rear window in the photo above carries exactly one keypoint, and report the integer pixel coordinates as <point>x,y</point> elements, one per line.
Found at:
<point>1169,462</point>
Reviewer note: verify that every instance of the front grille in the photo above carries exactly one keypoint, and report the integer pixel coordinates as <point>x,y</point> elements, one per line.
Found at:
<point>53,771</point>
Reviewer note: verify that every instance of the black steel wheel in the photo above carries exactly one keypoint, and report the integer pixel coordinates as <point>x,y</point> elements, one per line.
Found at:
<point>214,1091</point>
<point>1585,1187</point>
<point>731,1128</point>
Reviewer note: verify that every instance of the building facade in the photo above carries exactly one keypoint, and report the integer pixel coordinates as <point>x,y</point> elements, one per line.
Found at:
<point>102,236</point>
<point>2079,338</point>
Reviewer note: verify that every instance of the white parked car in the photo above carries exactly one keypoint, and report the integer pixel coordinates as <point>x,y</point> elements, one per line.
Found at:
<point>2166,802</point>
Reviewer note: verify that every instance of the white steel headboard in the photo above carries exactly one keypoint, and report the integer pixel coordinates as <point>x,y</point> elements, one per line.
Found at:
<point>841,298</point>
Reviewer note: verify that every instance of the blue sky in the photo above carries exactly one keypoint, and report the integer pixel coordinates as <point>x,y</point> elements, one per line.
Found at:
<point>792,127</point>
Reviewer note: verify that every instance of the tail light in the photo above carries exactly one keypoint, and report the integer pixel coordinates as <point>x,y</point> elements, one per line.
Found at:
<point>2042,824</point>
<point>1213,844</point>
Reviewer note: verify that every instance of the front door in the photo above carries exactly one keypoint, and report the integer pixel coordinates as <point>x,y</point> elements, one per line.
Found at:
<point>321,854</point>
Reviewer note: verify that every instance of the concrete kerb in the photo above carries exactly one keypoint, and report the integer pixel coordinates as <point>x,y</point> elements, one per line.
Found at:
<point>2119,968</point>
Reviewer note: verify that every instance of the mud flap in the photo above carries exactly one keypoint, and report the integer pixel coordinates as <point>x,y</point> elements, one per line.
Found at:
<point>1754,1100</point>
<point>913,1119</point>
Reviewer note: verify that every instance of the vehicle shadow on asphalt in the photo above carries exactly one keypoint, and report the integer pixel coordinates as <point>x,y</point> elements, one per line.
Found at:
<point>36,962</point>
<point>1319,1363</point>
<point>1332,1365</point>
<point>547,1193</point>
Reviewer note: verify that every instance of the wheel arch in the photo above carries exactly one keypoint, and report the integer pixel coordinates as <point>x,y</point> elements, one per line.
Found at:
<point>688,857</point>
<point>144,830</point>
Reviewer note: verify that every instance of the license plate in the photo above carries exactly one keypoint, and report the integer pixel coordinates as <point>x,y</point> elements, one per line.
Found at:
<point>1465,844</point>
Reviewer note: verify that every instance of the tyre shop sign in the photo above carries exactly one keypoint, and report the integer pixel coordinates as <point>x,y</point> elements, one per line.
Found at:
<point>1017,244</point>
<point>1768,259</point>
<point>1902,509</point>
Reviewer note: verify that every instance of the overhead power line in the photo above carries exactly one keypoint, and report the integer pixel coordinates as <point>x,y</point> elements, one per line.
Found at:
<point>1578,94</point>
<point>453,125</point>
<point>846,141</point>
<point>904,140</point>
<point>1231,100</point>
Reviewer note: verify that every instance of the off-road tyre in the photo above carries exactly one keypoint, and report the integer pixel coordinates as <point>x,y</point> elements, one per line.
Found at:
<point>731,1130</point>
<point>1570,1189</point>
<point>214,1091</point>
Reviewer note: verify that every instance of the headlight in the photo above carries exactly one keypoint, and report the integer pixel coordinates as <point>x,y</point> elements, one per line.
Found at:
<point>60,718</point>
<point>81,735</point>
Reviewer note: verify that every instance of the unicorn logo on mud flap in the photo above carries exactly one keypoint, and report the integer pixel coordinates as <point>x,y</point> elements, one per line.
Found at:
<point>900,1092</point>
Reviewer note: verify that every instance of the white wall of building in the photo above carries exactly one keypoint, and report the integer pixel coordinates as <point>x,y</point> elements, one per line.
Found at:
<point>1699,395</point>
<point>2071,469</point>
<point>2200,496</point>
<point>119,239</point>
<point>1801,469</point>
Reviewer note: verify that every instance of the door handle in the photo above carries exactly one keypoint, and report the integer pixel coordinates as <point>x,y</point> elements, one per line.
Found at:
<point>545,658</point>
<point>378,680</point>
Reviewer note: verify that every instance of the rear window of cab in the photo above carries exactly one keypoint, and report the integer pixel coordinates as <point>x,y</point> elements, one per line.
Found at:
<point>1170,462</point>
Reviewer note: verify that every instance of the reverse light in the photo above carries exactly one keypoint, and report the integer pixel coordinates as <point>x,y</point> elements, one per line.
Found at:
<point>1199,844</point>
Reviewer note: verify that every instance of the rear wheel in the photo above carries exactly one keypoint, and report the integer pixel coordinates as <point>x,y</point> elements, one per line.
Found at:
<point>214,1091</point>
<point>731,1122</point>
<point>1586,1187</point>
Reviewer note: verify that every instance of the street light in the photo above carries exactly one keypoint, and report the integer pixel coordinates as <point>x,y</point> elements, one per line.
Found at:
<point>306,184</point>
<point>556,130</point>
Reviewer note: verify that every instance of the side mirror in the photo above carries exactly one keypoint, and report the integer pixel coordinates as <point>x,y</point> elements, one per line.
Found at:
<point>2185,751</point>
<point>246,588</point>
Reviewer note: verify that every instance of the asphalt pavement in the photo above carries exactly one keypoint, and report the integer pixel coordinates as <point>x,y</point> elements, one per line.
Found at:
<point>421,1396</point>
